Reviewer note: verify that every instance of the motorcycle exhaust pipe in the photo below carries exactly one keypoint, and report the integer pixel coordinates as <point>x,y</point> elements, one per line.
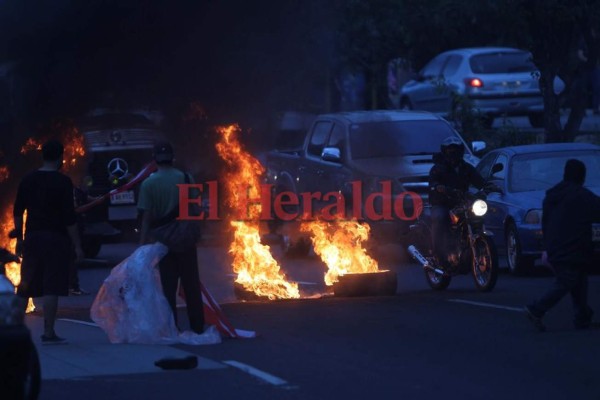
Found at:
<point>419,257</point>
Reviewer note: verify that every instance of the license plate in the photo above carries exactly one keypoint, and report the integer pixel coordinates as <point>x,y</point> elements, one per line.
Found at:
<point>596,233</point>
<point>125,197</point>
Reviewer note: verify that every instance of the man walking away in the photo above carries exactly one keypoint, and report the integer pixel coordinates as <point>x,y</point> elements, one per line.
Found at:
<point>569,210</point>
<point>50,235</point>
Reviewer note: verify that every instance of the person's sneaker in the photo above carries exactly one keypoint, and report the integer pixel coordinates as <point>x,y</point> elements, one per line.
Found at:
<point>53,340</point>
<point>536,321</point>
<point>78,292</point>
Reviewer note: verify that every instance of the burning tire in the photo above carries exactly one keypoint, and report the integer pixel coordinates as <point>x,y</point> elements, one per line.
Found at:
<point>382,283</point>
<point>244,294</point>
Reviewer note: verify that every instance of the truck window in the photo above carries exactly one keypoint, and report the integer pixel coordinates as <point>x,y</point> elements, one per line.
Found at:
<point>397,138</point>
<point>337,136</point>
<point>318,138</point>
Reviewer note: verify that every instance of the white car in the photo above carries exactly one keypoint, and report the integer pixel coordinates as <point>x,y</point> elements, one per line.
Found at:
<point>497,80</point>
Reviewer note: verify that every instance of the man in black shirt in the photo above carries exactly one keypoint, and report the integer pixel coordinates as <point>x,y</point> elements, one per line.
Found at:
<point>50,237</point>
<point>569,210</point>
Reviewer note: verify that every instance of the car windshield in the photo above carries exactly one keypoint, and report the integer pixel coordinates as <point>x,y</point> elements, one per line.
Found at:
<point>397,138</point>
<point>541,171</point>
<point>502,62</point>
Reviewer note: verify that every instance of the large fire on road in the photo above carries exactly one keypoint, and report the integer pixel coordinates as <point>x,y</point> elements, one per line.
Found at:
<point>339,243</point>
<point>257,271</point>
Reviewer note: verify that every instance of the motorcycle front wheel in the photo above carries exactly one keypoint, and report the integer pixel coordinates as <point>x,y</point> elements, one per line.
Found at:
<point>485,264</point>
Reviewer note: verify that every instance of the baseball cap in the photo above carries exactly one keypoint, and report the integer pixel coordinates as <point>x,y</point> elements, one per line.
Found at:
<point>163,151</point>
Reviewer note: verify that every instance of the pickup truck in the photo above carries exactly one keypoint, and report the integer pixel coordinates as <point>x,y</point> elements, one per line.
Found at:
<point>347,152</point>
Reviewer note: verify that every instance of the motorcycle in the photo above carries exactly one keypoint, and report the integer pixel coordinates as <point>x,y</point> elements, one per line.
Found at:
<point>472,247</point>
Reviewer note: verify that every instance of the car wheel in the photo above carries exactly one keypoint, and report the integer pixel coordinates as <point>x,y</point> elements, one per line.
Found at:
<point>517,262</point>
<point>536,120</point>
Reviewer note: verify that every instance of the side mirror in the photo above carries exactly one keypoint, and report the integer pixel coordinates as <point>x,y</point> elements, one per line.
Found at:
<point>478,146</point>
<point>332,154</point>
<point>497,168</point>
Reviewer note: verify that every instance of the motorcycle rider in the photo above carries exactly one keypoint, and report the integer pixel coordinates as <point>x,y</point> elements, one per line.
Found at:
<point>449,174</point>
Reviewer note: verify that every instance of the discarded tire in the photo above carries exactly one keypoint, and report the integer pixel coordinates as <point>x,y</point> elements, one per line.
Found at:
<point>382,283</point>
<point>242,293</point>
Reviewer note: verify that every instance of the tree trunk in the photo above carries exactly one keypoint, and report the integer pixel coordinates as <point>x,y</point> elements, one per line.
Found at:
<point>578,100</point>
<point>554,132</point>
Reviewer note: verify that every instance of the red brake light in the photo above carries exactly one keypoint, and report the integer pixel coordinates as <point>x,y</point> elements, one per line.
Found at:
<point>474,82</point>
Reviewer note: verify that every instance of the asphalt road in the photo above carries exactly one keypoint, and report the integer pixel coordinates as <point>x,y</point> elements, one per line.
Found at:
<point>418,344</point>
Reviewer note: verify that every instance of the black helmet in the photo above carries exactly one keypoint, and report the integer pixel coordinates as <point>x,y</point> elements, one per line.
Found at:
<point>453,149</point>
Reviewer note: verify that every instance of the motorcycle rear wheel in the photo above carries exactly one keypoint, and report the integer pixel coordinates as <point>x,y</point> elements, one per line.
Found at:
<point>485,264</point>
<point>423,240</point>
<point>437,281</point>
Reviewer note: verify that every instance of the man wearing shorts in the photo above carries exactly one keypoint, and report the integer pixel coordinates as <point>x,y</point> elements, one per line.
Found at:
<point>50,237</point>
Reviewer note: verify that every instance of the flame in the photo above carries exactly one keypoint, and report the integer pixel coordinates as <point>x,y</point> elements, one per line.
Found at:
<point>256,269</point>
<point>4,173</point>
<point>13,270</point>
<point>72,140</point>
<point>339,244</point>
<point>31,145</point>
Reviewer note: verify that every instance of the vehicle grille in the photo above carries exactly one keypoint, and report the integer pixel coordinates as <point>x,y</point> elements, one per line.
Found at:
<point>417,184</point>
<point>98,167</point>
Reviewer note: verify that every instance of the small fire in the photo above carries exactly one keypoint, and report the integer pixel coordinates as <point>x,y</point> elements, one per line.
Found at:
<point>72,140</point>
<point>257,271</point>
<point>339,244</point>
<point>13,270</point>
<point>30,145</point>
<point>4,173</point>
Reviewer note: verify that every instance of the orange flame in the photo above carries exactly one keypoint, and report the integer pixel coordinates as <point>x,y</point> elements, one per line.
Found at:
<point>13,270</point>
<point>72,140</point>
<point>30,145</point>
<point>4,173</point>
<point>339,244</point>
<point>256,269</point>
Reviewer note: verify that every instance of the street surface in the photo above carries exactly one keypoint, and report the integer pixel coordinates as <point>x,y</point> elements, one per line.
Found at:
<point>418,344</point>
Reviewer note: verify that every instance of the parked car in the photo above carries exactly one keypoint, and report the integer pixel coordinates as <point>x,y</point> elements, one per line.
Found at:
<point>369,147</point>
<point>528,171</point>
<point>497,80</point>
<point>118,147</point>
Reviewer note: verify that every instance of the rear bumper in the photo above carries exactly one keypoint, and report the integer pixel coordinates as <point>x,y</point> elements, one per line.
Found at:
<point>515,106</point>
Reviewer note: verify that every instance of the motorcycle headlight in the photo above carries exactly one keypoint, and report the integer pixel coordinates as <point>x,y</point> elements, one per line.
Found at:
<point>479,208</point>
<point>533,217</point>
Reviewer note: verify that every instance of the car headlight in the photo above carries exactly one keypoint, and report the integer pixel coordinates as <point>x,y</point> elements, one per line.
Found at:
<point>533,217</point>
<point>479,208</point>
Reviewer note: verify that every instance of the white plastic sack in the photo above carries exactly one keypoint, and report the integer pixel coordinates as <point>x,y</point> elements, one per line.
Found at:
<point>131,307</point>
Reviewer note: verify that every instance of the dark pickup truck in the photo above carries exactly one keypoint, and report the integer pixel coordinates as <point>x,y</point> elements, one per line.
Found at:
<point>366,152</point>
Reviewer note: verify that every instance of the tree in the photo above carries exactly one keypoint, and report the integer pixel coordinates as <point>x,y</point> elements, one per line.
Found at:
<point>555,29</point>
<point>374,32</point>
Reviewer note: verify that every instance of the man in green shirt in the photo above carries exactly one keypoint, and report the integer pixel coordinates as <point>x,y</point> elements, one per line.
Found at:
<point>158,203</point>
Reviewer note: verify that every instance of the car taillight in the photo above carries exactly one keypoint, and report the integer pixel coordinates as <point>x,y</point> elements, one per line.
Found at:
<point>474,82</point>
